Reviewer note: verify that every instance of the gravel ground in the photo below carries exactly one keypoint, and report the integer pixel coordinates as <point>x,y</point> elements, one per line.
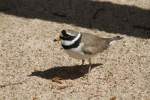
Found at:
<point>33,67</point>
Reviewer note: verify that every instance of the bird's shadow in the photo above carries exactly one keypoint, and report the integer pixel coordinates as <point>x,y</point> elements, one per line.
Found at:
<point>65,72</point>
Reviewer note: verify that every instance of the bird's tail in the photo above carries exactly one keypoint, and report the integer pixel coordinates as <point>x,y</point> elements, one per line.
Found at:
<point>113,39</point>
<point>116,38</point>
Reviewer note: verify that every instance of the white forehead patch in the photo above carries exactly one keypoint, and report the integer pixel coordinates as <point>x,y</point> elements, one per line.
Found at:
<point>70,42</point>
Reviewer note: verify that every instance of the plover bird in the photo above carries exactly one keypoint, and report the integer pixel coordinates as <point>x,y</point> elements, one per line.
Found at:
<point>84,45</point>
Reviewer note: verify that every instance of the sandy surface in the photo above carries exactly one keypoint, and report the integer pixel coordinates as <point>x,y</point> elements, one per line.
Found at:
<point>30,60</point>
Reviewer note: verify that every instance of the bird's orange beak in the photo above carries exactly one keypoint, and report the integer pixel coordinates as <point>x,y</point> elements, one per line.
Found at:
<point>57,39</point>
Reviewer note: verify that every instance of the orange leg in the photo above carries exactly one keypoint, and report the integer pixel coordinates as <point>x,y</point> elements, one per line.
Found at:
<point>90,64</point>
<point>83,62</point>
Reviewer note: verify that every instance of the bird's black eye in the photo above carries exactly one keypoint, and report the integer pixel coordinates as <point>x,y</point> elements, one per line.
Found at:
<point>64,33</point>
<point>66,36</point>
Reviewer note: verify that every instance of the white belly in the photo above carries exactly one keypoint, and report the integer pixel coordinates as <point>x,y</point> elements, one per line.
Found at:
<point>77,52</point>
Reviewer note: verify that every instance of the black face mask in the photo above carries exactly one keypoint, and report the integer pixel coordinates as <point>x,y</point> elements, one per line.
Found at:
<point>66,36</point>
<point>74,45</point>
